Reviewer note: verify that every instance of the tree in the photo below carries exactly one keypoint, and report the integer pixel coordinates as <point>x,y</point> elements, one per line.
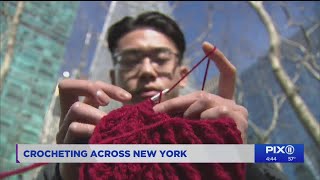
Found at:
<point>305,116</point>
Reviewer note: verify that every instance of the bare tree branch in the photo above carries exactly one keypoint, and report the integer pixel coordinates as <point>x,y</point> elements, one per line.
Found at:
<point>296,77</point>
<point>174,6</point>
<point>277,102</point>
<point>306,34</point>
<point>307,55</point>
<point>105,5</point>
<point>255,128</point>
<point>305,116</point>
<point>5,32</point>
<point>295,44</point>
<point>206,31</point>
<point>312,29</point>
<point>240,95</point>
<point>11,42</point>
<point>311,70</point>
<point>286,13</point>
<point>309,45</point>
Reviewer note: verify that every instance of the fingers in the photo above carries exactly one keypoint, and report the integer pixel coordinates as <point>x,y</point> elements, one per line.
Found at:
<point>239,116</point>
<point>70,90</point>
<point>178,104</point>
<point>203,102</point>
<point>227,71</point>
<point>108,91</point>
<point>183,103</point>
<point>78,133</point>
<point>96,94</point>
<point>80,113</point>
<point>114,92</point>
<point>194,111</point>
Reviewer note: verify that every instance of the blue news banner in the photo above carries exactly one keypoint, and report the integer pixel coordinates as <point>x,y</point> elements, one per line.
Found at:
<point>162,153</point>
<point>283,153</point>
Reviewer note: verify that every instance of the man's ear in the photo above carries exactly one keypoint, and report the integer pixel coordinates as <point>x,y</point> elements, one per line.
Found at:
<point>112,76</point>
<point>183,70</point>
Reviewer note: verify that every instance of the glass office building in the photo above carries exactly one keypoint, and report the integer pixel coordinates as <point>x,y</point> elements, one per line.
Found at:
<point>27,89</point>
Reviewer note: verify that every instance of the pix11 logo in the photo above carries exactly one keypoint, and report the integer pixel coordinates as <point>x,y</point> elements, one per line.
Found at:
<point>289,149</point>
<point>279,153</point>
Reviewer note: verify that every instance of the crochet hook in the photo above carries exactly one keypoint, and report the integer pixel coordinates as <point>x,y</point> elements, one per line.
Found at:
<point>156,97</point>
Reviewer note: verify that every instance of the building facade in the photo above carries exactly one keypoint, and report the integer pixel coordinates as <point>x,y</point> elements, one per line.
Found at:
<point>27,89</point>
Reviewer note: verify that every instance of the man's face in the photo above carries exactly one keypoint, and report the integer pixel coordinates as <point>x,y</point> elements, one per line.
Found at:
<point>147,63</point>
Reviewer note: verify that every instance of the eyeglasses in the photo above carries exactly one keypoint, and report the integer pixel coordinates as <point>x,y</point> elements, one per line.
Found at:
<point>161,58</point>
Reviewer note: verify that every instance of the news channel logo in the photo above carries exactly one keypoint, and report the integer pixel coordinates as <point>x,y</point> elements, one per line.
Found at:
<point>285,153</point>
<point>289,149</point>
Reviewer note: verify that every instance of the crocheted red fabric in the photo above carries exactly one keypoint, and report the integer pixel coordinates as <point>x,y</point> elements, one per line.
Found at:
<point>139,124</point>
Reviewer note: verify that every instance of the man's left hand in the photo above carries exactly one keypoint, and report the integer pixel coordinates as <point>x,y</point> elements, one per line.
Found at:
<point>203,105</point>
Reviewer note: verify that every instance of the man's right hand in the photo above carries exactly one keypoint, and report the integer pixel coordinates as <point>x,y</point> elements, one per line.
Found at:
<point>78,119</point>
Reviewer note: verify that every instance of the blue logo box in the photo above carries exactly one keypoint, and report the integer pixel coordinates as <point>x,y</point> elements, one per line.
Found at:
<point>283,153</point>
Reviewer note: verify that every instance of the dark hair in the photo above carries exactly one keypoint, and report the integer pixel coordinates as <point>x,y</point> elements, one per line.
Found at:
<point>154,20</point>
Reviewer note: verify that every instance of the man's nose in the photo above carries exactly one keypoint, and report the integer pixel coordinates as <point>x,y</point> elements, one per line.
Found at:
<point>147,70</point>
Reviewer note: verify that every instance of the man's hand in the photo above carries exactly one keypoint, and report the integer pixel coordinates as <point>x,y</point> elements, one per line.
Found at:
<point>78,119</point>
<point>203,105</point>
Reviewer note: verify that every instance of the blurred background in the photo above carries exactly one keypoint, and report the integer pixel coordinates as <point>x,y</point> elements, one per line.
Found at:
<point>278,71</point>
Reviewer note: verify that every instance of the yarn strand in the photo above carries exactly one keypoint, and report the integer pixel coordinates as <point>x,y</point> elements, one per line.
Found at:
<point>194,67</point>
<point>20,170</point>
<point>205,75</point>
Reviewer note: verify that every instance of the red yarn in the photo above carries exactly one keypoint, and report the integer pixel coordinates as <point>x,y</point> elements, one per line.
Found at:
<point>20,170</point>
<point>139,124</point>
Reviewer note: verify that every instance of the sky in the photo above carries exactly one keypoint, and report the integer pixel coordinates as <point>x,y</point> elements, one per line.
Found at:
<point>237,30</point>
<point>90,18</point>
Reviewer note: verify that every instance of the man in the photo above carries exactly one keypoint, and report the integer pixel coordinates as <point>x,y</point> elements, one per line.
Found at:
<point>147,55</point>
